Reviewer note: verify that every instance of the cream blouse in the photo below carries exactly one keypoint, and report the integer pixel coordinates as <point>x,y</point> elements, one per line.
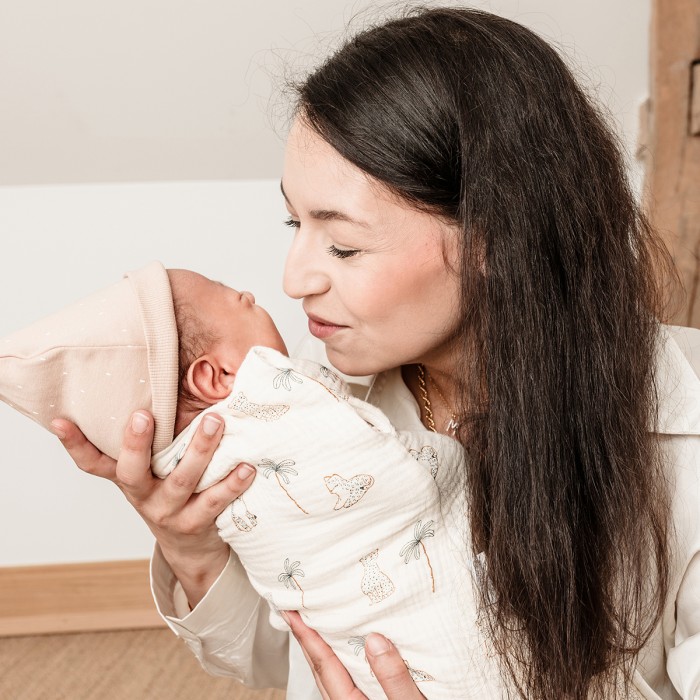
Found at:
<point>229,630</point>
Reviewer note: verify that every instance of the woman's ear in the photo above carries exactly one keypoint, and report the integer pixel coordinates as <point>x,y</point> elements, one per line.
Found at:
<point>208,380</point>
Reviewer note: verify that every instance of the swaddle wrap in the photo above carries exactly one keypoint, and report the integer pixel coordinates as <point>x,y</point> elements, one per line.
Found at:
<point>349,521</point>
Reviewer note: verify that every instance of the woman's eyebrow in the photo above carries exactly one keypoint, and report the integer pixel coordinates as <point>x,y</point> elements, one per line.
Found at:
<point>328,214</point>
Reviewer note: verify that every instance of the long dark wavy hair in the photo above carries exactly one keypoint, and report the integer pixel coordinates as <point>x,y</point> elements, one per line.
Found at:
<point>477,119</point>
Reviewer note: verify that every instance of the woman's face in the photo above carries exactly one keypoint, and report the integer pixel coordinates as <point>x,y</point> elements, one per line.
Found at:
<point>370,268</point>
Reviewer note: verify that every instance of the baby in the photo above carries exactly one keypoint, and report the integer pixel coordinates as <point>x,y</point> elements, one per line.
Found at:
<point>345,521</point>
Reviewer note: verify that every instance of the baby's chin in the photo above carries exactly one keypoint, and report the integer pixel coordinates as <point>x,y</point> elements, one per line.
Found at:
<point>279,347</point>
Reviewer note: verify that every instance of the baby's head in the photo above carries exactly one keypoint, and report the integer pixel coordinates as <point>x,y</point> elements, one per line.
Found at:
<point>170,341</point>
<point>216,327</point>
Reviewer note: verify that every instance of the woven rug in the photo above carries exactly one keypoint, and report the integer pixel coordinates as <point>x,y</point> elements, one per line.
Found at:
<point>138,665</point>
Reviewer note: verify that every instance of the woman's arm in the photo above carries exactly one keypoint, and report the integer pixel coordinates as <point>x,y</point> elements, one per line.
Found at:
<point>229,630</point>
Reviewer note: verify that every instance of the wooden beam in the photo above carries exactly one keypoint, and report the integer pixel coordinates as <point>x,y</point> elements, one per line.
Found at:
<point>695,100</point>
<point>672,188</point>
<point>76,598</point>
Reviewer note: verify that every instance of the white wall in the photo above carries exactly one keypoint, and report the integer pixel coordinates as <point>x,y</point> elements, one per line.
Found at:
<point>135,90</point>
<point>61,242</point>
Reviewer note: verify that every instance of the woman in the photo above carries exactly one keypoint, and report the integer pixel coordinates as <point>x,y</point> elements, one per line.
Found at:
<point>462,213</point>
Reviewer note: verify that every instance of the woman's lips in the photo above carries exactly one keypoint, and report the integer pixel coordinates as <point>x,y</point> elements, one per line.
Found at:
<point>320,328</point>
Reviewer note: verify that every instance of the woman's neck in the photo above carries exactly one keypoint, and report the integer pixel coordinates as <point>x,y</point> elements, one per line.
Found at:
<point>436,397</point>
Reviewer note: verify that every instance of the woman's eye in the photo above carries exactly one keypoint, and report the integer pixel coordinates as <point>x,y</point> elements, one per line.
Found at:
<point>292,222</point>
<point>341,253</point>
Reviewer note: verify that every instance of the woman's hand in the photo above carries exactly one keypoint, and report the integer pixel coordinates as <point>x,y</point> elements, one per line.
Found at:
<point>335,682</point>
<point>181,521</point>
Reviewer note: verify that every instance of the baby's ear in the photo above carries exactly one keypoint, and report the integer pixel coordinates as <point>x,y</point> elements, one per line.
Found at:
<point>208,380</point>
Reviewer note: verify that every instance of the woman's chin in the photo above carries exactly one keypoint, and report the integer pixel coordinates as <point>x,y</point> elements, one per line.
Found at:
<point>353,366</point>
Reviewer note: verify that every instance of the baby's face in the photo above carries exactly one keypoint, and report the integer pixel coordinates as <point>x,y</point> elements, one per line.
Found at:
<point>234,317</point>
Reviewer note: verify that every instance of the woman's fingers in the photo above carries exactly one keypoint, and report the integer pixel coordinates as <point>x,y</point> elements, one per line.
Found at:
<point>212,501</point>
<point>332,677</point>
<point>181,482</point>
<point>134,475</point>
<point>82,451</point>
<point>182,523</point>
<point>159,500</point>
<point>390,669</point>
<point>319,685</point>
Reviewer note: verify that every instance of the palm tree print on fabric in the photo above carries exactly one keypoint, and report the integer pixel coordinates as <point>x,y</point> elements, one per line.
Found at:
<point>290,575</point>
<point>359,648</point>
<point>281,470</point>
<point>413,548</point>
<point>359,644</point>
<point>285,378</point>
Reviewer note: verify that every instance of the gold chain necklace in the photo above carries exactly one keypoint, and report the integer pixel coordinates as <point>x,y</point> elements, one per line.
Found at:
<point>453,423</point>
<point>424,397</point>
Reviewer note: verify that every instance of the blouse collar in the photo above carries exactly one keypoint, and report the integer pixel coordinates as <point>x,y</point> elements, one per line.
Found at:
<point>677,383</point>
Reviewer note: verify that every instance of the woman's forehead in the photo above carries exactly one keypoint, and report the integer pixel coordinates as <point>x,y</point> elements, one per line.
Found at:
<point>318,183</point>
<point>309,156</point>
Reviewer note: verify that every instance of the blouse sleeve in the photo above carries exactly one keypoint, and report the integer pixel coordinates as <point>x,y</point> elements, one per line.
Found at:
<point>228,631</point>
<point>683,659</point>
<point>683,656</point>
<point>683,663</point>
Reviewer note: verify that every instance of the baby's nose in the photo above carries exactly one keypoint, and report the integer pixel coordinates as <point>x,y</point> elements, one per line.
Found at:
<point>249,296</point>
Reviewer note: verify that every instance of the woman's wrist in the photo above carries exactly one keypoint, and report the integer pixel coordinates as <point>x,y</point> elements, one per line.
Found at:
<point>198,572</point>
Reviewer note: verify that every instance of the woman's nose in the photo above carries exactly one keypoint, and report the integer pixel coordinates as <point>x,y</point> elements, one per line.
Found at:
<point>304,274</point>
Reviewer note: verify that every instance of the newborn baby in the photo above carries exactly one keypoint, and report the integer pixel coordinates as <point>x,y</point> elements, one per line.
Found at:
<point>345,521</point>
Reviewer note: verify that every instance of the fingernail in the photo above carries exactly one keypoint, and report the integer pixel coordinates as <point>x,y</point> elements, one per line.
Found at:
<point>285,617</point>
<point>139,423</point>
<point>57,431</point>
<point>377,645</point>
<point>210,425</point>
<point>244,471</point>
